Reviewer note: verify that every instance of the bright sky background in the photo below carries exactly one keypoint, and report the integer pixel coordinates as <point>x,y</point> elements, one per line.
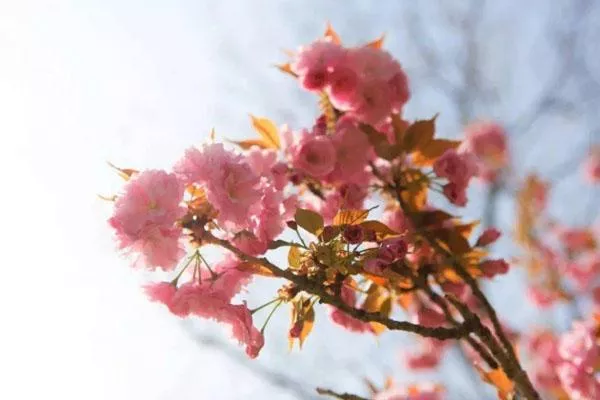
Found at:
<point>136,82</point>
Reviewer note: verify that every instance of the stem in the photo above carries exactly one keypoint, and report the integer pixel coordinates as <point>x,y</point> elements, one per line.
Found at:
<point>262,330</point>
<point>504,353</point>
<point>341,396</point>
<point>326,297</point>
<point>264,305</point>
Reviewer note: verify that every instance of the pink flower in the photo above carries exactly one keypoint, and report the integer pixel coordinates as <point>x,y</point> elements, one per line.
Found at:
<point>457,168</point>
<point>543,350</point>
<point>250,244</point>
<point>491,268</point>
<point>314,155</point>
<point>229,281</point>
<point>231,185</point>
<point>394,248</point>
<point>354,234</point>
<point>341,318</point>
<point>580,354</point>
<point>162,292</point>
<point>261,161</point>
<point>592,165</point>
<point>279,172</point>
<point>579,346</point>
<point>351,146</point>
<point>430,316</point>
<point>343,82</point>
<point>368,84</point>
<point>421,392</point>
<point>145,219</point>
<point>396,220</point>
<point>314,63</point>
<point>455,194</point>
<point>269,217</point>
<point>541,296</point>
<point>428,357</point>
<point>487,141</point>
<point>488,237</point>
<point>584,271</point>
<point>346,197</point>
<point>576,240</point>
<point>202,301</point>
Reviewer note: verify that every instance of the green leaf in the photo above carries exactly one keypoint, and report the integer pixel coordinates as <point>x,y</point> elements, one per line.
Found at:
<point>309,220</point>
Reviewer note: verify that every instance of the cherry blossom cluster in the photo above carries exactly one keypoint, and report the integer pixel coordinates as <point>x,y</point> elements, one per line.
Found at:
<point>405,264</point>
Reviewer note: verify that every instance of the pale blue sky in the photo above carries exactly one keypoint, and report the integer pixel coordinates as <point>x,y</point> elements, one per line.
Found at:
<point>136,82</point>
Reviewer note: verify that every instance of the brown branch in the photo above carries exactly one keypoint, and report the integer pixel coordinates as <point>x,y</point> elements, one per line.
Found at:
<point>504,352</point>
<point>342,396</point>
<point>317,289</point>
<point>437,299</point>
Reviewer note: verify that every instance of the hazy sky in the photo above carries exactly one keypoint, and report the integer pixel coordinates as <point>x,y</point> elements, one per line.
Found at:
<point>136,82</point>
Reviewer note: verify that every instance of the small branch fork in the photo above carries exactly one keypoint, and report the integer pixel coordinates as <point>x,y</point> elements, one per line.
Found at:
<point>493,347</point>
<point>497,343</point>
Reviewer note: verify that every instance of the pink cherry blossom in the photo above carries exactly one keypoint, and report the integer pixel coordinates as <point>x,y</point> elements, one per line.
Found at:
<point>368,84</point>
<point>269,218</point>
<point>455,194</point>
<point>315,62</point>
<point>428,356</point>
<point>231,185</point>
<point>229,279</point>
<point>457,168</point>
<point>202,301</point>
<point>351,146</point>
<point>580,354</point>
<point>592,165</point>
<point>314,155</point>
<point>422,392</point>
<point>576,240</point>
<point>487,141</point>
<point>430,316</point>
<point>145,217</point>
<point>541,296</point>
<point>396,220</point>
<point>161,292</point>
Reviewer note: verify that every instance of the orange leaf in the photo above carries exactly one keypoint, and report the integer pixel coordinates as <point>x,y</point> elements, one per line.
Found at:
<point>400,126</point>
<point>405,300</point>
<point>125,173</point>
<point>377,328</point>
<point>247,144</point>
<point>419,135</point>
<point>377,43</point>
<point>497,378</point>
<point>381,230</point>
<point>332,34</point>
<point>256,269</point>
<point>286,68</point>
<point>426,157</point>
<point>428,218</point>
<point>466,230</point>
<point>452,241</point>
<point>414,192</point>
<point>350,217</point>
<point>380,144</point>
<point>267,131</point>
